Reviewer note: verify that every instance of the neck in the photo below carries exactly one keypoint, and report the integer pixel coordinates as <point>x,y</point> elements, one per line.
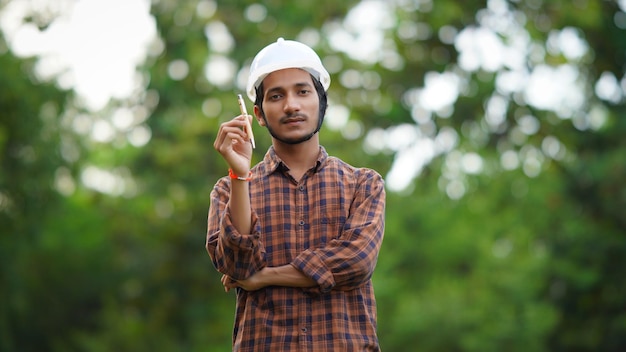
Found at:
<point>298,157</point>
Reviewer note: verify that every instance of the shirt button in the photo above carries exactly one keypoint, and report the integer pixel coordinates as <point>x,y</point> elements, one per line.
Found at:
<point>301,188</point>
<point>303,330</point>
<point>301,223</point>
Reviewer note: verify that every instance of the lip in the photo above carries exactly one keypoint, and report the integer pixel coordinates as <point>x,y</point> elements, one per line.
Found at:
<point>293,120</point>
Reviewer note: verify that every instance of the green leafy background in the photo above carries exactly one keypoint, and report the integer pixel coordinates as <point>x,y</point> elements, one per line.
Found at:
<point>519,262</point>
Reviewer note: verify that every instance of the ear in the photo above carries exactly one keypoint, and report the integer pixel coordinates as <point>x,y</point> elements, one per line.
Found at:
<point>259,117</point>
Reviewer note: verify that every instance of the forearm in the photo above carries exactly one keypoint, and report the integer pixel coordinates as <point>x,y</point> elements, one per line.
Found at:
<point>286,275</point>
<point>240,208</point>
<point>232,252</point>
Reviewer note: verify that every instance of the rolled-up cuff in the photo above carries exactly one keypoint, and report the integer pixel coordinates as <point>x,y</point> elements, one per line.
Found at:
<point>312,266</point>
<point>239,240</point>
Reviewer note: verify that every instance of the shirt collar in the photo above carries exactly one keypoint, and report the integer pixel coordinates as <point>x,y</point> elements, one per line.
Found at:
<point>272,161</point>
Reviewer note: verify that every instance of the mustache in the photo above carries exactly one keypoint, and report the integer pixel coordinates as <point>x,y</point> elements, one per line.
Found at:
<point>293,116</point>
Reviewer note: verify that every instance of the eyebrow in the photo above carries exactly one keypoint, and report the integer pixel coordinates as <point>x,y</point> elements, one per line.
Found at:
<point>297,85</point>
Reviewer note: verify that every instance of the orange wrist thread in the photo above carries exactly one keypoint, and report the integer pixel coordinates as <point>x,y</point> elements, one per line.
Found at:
<point>232,175</point>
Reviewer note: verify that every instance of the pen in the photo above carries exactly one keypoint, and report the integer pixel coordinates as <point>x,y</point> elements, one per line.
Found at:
<point>242,107</point>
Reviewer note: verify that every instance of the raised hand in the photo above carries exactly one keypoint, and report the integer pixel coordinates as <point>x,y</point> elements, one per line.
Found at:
<point>233,143</point>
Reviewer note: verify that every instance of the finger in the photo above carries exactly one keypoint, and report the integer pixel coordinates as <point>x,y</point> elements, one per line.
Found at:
<point>246,126</point>
<point>230,126</point>
<point>228,283</point>
<point>225,141</point>
<point>249,132</point>
<point>233,129</point>
<point>227,132</point>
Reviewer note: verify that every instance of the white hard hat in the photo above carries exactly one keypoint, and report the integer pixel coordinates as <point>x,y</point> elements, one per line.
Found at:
<point>285,54</point>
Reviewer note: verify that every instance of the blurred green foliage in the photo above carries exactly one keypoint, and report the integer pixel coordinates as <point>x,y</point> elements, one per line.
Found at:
<point>519,263</point>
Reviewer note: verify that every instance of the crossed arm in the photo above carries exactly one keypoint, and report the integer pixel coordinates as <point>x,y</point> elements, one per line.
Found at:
<point>285,275</point>
<point>345,263</point>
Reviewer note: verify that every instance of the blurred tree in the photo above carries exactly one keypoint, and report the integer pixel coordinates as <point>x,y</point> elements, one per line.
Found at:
<point>48,267</point>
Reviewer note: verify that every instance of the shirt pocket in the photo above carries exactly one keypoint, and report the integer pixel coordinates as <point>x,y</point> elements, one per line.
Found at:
<point>329,221</point>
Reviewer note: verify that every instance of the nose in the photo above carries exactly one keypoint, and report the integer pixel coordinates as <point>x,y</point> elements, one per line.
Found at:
<point>291,104</point>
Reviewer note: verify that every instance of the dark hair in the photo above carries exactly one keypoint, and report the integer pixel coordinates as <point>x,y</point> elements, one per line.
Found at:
<point>321,94</point>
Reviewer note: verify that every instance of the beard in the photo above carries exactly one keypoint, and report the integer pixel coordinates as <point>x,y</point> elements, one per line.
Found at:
<point>291,141</point>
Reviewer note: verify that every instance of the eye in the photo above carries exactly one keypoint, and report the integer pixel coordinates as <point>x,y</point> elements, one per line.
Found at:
<point>274,97</point>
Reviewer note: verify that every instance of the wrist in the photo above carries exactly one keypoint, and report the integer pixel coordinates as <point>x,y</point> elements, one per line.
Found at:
<point>266,276</point>
<point>240,176</point>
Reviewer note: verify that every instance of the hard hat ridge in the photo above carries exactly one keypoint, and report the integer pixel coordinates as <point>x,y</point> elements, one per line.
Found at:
<point>284,54</point>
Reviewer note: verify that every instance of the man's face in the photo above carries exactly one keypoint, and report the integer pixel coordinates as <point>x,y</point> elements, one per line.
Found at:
<point>290,106</point>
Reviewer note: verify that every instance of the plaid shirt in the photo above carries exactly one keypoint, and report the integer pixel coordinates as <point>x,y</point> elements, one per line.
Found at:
<point>330,226</point>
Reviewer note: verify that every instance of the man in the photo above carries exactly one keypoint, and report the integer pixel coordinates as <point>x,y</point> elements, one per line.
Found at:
<point>298,234</point>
